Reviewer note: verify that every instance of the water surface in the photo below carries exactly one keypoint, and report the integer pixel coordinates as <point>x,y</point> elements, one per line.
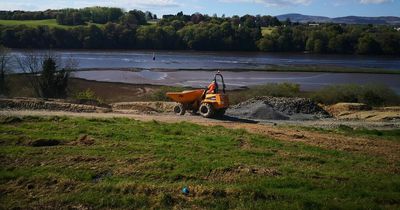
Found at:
<point>235,80</point>
<point>216,60</point>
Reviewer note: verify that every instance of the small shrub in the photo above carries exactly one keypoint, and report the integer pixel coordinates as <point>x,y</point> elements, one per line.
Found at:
<point>160,95</point>
<point>373,95</point>
<point>87,95</point>
<point>273,89</point>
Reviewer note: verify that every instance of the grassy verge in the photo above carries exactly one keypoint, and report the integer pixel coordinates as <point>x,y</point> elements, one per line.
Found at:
<point>121,163</point>
<point>35,23</point>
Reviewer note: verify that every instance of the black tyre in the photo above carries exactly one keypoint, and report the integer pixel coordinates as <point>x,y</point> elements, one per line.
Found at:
<point>179,109</point>
<point>206,110</point>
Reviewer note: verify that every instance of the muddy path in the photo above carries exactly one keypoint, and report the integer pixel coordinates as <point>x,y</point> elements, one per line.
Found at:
<point>389,150</point>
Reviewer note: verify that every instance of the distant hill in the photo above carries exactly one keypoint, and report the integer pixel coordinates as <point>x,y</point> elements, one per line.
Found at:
<point>390,20</point>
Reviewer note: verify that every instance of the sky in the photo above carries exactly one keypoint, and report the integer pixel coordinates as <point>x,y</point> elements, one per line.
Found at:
<point>330,8</point>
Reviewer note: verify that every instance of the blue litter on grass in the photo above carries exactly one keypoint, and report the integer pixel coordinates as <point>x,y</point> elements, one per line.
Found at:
<point>185,190</point>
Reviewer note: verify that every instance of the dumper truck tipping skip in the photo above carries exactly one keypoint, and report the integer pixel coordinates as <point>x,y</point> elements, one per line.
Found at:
<point>208,102</point>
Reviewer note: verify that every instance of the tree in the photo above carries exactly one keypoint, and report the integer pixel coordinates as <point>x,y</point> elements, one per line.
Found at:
<point>45,74</point>
<point>367,45</point>
<point>5,60</point>
<point>266,44</point>
<point>53,83</point>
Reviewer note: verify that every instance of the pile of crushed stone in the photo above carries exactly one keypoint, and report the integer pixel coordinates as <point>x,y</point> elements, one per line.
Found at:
<point>277,108</point>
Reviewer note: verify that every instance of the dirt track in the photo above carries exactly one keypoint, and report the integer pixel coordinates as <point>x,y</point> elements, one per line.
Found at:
<point>388,150</point>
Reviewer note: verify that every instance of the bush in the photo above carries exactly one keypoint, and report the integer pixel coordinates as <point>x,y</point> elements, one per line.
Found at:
<point>87,95</point>
<point>373,95</point>
<point>160,95</point>
<point>276,90</point>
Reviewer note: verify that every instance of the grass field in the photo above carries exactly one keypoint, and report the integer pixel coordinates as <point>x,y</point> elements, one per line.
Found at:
<point>36,23</point>
<point>120,163</point>
<point>266,30</point>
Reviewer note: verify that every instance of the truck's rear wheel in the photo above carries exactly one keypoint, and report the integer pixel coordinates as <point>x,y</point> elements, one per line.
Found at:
<point>206,110</point>
<point>179,109</point>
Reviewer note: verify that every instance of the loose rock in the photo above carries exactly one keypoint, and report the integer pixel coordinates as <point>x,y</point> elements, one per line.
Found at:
<point>274,108</point>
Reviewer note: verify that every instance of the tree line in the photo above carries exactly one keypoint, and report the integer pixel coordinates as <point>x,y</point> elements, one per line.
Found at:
<point>333,38</point>
<point>101,15</point>
<point>27,15</point>
<point>82,16</point>
<point>131,30</point>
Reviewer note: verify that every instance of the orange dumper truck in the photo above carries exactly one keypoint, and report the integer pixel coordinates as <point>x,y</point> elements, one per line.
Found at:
<point>210,102</point>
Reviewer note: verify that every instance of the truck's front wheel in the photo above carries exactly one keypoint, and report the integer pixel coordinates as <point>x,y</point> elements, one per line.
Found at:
<point>206,110</point>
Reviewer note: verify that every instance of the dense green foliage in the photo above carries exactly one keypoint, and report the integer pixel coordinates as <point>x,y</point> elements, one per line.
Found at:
<point>95,15</point>
<point>374,95</point>
<point>27,15</point>
<point>131,33</point>
<point>333,38</point>
<point>130,30</point>
<point>123,164</point>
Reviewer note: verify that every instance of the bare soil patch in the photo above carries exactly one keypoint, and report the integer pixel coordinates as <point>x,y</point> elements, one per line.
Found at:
<point>45,143</point>
<point>359,111</point>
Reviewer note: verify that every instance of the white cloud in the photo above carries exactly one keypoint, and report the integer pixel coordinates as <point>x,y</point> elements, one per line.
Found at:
<point>271,2</point>
<point>374,1</point>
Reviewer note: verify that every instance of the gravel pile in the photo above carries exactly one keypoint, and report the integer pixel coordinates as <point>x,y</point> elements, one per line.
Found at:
<point>273,108</point>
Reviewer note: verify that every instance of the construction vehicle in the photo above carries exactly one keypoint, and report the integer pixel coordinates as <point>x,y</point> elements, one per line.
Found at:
<point>209,102</point>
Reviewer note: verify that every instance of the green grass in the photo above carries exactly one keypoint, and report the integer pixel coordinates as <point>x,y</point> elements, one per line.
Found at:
<point>130,164</point>
<point>266,30</point>
<point>36,23</point>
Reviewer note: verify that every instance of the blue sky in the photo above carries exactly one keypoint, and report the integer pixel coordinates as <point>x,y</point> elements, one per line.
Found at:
<point>330,8</point>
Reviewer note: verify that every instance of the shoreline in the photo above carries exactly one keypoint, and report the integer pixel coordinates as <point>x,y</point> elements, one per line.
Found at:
<point>309,81</point>
<point>271,68</point>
